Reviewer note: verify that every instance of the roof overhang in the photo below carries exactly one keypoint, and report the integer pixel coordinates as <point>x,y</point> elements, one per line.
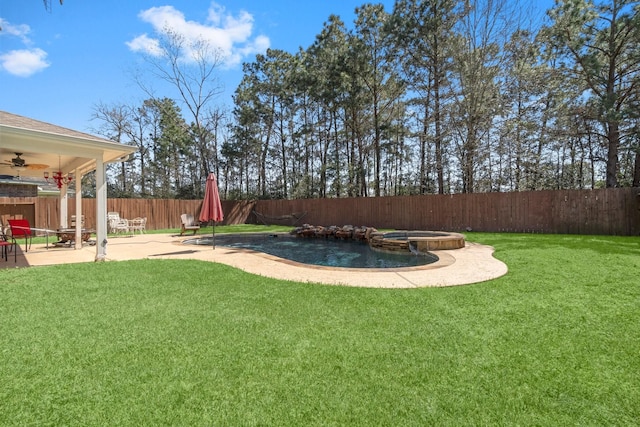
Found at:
<point>66,150</point>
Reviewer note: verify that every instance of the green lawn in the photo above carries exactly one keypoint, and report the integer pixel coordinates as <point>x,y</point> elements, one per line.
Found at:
<point>175,342</point>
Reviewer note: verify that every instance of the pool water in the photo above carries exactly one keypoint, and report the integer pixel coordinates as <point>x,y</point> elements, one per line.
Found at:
<point>324,252</point>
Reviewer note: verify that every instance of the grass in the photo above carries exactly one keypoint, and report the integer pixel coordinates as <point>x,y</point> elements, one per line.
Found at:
<point>176,342</point>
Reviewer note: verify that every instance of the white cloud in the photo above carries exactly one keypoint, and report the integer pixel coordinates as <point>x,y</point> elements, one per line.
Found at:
<point>21,30</point>
<point>144,43</point>
<point>229,36</point>
<point>21,62</point>
<point>24,62</point>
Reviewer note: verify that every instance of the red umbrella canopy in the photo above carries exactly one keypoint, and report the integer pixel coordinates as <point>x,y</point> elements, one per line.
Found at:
<point>211,206</point>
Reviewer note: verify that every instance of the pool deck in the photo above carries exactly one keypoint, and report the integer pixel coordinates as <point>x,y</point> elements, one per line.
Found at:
<point>472,264</point>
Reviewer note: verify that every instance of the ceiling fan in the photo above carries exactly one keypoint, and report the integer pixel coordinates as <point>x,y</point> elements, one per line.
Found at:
<point>20,164</point>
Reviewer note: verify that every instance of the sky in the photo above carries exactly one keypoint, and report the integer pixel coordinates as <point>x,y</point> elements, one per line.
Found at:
<point>57,65</point>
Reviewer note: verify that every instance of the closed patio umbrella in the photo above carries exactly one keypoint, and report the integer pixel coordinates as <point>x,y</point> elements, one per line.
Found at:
<point>211,206</point>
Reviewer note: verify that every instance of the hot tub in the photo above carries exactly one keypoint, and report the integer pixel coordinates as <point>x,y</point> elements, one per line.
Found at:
<point>412,241</point>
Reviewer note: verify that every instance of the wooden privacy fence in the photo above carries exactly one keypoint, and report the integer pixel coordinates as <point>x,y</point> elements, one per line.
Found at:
<point>613,211</point>
<point>44,212</point>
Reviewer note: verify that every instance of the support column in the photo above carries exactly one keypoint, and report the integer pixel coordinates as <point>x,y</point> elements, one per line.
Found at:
<point>78,231</point>
<point>64,210</point>
<point>101,211</point>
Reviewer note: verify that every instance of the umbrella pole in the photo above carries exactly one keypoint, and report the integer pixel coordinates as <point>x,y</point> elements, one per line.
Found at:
<point>214,235</point>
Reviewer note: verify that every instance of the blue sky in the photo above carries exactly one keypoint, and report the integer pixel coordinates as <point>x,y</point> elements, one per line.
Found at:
<point>56,65</point>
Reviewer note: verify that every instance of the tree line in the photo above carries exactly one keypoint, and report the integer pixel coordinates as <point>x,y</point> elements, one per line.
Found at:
<point>435,96</point>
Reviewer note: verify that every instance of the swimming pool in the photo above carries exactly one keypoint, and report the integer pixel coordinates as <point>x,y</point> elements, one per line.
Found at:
<point>323,252</point>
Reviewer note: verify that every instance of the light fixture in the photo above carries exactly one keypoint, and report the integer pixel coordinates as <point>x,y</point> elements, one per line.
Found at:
<point>58,177</point>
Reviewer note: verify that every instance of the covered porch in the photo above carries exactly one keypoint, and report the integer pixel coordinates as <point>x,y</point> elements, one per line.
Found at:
<point>34,149</point>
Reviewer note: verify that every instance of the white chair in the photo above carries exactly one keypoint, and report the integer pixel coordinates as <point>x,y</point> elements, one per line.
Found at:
<point>112,215</point>
<point>117,224</point>
<point>138,224</point>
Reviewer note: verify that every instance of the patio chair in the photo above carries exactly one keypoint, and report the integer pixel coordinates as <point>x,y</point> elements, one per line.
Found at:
<point>21,227</point>
<point>4,223</point>
<point>117,224</point>
<point>73,221</point>
<point>111,216</point>
<point>138,224</point>
<point>8,243</point>
<point>188,223</point>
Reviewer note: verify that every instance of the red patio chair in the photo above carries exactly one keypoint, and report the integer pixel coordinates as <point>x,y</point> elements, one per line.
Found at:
<point>21,227</point>
<point>6,243</point>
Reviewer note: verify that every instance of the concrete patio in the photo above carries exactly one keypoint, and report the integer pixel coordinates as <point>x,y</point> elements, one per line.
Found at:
<point>472,264</point>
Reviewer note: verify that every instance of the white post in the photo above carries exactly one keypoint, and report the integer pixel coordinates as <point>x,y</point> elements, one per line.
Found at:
<point>64,211</point>
<point>78,231</point>
<point>101,211</point>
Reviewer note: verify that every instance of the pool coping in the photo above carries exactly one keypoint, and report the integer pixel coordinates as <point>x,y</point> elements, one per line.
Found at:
<point>472,264</point>
<point>444,258</point>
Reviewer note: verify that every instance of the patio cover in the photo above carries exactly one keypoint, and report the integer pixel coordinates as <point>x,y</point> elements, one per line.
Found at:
<point>68,150</point>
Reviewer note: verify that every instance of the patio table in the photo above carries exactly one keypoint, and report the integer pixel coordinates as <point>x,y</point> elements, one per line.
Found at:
<point>46,232</point>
